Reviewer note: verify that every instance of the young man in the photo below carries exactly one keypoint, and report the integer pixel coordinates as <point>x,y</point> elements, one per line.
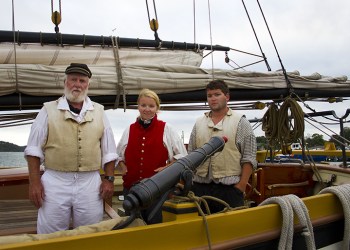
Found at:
<point>224,175</point>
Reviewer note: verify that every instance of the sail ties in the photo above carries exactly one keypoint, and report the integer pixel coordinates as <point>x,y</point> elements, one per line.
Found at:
<point>289,205</point>
<point>15,56</point>
<point>343,193</point>
<point>120,84</point>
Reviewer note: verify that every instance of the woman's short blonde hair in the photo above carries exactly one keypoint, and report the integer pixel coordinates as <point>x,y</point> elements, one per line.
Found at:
<point>151,94</point>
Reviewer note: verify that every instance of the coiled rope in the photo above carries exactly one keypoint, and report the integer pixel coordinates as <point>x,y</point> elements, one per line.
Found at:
<point>291,204</point>
<point>343,193</point>
<point>288,133</point>
<point>270,124</point>
<point>278,126</point>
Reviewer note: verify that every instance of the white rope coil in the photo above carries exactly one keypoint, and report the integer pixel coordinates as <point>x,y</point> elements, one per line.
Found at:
<point>343,193</point>
<point>291,204</point>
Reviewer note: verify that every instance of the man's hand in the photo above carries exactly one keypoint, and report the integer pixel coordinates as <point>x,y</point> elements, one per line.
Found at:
<point>36,189</point>
<point>36,193</point>
<point>241,186</point>
<point>106,189</point>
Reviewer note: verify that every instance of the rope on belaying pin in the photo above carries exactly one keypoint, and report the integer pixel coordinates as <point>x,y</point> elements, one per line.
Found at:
<point>289,205</point>
<point>343,193</point>
<point>287,132</point>
<point>278,125</point>
<point>270,124</point>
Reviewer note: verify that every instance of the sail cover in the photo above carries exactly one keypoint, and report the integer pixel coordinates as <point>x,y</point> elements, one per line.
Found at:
<point>35,70</point>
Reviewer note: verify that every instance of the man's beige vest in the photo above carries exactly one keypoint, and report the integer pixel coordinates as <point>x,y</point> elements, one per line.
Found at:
<point>71,146</point>
<point>226,162</point>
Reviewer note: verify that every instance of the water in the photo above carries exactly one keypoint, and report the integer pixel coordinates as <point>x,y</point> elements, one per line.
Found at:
<point>12,159</point>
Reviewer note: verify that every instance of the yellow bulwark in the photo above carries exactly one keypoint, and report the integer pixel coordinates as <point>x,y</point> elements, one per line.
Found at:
<point>256,224</point>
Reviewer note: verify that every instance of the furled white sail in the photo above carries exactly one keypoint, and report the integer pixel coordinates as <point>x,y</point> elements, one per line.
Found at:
<point>38,70</point>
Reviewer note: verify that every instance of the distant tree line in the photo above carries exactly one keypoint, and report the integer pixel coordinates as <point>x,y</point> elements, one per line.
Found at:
<point>312,141</point>
<point>10,147</point>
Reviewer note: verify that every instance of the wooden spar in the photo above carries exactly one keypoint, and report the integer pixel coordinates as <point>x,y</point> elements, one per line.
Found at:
<point>73,39</point>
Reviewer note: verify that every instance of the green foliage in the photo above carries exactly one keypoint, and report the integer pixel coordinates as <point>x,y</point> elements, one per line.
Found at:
<point>261,142</point>
<point>10,147</point>
<point>337,138</point>
<point>347,133</point>
<point>316,140</point>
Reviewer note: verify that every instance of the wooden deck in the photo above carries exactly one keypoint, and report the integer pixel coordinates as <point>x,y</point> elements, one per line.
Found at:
<point>17,217</point>
<point>20,216</point>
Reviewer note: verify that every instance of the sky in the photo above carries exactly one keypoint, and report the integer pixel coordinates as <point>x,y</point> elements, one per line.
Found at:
<point>310,36</point>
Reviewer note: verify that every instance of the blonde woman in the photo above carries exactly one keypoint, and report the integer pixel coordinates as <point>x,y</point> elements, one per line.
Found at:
<point>147,146</point>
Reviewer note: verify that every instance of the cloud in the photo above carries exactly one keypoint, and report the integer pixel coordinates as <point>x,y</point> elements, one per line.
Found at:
<point>310,36</point>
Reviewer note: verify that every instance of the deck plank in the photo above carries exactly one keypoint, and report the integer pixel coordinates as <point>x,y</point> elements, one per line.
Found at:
<point>20,216</point>
<point>17,217</point>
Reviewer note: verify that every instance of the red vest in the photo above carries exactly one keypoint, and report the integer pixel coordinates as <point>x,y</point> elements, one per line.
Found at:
<point>145,151</point>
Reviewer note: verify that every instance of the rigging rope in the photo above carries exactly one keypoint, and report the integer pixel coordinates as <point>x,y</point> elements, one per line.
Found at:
<point>227,59</point>
<point>330,135</point>
<point>154,22</point>
<point>314,167</point>
<point>289,84</point>
<point>322,124</point>
<point>194,21</point>
<point>211,41</point>
<point>256,37</point>
<point>56,16</point>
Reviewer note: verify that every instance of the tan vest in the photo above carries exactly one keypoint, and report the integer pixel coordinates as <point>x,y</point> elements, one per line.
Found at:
<point>226,162</point>
<point>71,146</point>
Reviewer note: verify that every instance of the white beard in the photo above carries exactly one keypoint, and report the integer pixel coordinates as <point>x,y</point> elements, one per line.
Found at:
<point>75,98</point>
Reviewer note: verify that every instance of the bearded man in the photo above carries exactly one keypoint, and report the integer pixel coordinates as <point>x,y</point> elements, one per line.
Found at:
<point>73,139</point>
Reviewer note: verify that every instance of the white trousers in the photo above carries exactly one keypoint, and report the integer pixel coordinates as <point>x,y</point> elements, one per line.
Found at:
<point>69,196</point>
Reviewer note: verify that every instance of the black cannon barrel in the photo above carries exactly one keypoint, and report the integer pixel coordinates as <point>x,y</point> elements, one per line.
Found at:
<point>143,194</point>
